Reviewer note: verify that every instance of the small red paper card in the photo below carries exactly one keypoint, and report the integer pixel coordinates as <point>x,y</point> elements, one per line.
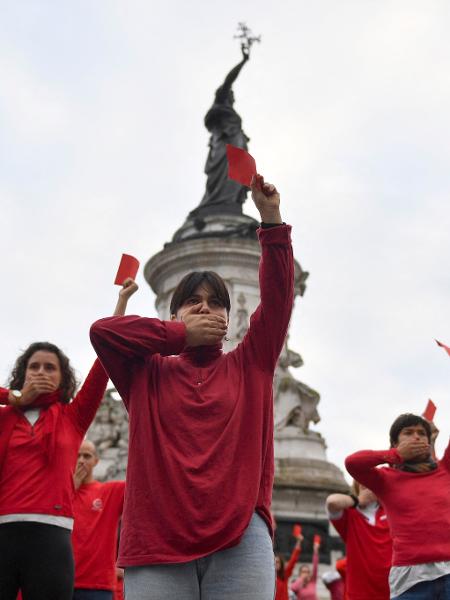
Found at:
<point>430,411</point>
<point>241,165</point>
<point>297,530</point>
<point>128,268</point>
<point>317,539</point>
<point>446,348</point>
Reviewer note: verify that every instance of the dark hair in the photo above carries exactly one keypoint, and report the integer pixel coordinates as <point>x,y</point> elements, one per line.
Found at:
<point>190,282</point>
<point>280,572</point>
<point>407,420</point>
<point>68,380</point>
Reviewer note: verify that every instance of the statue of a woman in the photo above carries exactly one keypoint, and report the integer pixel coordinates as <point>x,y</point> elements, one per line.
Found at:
<point>225,126</point>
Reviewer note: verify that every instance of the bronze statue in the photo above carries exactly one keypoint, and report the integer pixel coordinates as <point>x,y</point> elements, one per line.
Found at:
<point>224,123</point>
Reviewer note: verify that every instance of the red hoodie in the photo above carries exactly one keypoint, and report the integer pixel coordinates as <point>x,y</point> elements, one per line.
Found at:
<point>200,457</point>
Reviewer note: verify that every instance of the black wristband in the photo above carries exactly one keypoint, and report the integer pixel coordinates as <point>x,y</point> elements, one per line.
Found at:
<point>269,225</point>
<point>355,500</point>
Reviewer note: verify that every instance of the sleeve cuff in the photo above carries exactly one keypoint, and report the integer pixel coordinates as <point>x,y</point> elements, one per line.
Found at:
<point>176,337</point>
<point>4,396</point>
<point>393,457</point>
<point>280,234</point>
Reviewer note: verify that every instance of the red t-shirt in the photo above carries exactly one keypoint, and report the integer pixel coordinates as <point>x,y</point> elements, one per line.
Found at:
<point>200,457</point>
<point>417,505</point>
<point>97,509</point>
<point>369,554</point>
<point>29,482</point>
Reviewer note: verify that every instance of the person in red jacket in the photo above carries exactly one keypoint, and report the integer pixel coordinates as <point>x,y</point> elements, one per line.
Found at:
<point>41,431</point>
<point>97,509</point>
<point>285,571</point>
<point>414,490</point>
<point>361,522</point>
<point>196,520</point>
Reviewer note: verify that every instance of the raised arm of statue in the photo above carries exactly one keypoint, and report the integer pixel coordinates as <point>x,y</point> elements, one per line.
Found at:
<point>222,94</point>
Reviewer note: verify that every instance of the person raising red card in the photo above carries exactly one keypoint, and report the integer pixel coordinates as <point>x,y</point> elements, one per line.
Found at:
<point>196,521</point>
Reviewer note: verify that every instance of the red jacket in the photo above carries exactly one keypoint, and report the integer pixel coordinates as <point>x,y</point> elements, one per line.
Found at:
<point>29,481</point>
<point>200,457</point>
<point>282,592</point>
<point>417,504</point>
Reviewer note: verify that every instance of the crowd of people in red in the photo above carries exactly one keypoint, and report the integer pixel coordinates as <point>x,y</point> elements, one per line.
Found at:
<point>194,513</point>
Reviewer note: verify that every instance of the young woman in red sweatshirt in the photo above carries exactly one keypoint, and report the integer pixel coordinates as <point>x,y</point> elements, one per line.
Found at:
<point>40,432</point>
<point>196,520</point>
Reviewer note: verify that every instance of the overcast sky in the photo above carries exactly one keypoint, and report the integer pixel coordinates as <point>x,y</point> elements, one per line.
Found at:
<point>102,150</point>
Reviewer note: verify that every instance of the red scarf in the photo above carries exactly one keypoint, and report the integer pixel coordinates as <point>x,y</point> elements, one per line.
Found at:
<point>10,415</point>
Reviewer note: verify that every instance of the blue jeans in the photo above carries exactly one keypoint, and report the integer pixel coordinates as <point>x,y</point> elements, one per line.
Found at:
<point>82,594</point>
<point>244,572</point>
<point>436,589</point>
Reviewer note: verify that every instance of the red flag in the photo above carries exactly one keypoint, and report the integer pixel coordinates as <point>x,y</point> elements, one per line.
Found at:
<point>430,411</point>
<point>128,268</point>
<point>446,348</point>
<point>241,165</point>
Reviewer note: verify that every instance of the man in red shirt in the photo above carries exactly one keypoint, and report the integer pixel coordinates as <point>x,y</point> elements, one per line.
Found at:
<point>97,510</point>
<point>414,490</point>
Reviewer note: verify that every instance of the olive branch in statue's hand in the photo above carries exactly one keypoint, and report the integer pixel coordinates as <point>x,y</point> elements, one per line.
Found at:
<point>266,199</point>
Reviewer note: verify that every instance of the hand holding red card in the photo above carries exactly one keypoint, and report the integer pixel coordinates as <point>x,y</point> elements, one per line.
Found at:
<point>297,530</point>
<point>317,540</point>
<point>241,165</point>
<point>128,268</point>
<point>430,411</point>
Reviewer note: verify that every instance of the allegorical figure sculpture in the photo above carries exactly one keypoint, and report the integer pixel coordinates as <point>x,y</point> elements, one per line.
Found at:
<point>225,126</point>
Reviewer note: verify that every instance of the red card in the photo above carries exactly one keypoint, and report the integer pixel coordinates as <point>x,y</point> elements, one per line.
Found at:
<point>297,530</point>
<point>430,411</point>
<point>241,165</point>
<point>128,268</point>
<point>446,348</point>
<point>317,539</point>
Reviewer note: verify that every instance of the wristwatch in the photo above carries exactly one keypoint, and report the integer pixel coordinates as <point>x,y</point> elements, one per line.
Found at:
<point>355,500</point>
<point>17,394</point>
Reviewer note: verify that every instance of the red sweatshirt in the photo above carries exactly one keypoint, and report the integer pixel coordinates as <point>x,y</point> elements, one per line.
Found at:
<point>97,508</point>
<point>369,554</point>
<point>417,504</point>
<point>29,483</point>
<point>282,592</point>
<point>201,423</point>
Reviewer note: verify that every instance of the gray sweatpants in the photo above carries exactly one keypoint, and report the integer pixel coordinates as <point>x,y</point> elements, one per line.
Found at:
<point>244,572</point>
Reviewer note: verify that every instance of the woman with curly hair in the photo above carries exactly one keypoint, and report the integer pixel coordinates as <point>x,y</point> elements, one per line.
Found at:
<point>40,432</point>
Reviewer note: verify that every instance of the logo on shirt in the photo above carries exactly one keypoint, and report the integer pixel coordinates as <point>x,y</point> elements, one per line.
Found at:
<point>97,504</point>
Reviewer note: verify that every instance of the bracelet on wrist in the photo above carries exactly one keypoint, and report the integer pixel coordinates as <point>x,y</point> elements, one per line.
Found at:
<point>268,225</point>
<point>355,500</point>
